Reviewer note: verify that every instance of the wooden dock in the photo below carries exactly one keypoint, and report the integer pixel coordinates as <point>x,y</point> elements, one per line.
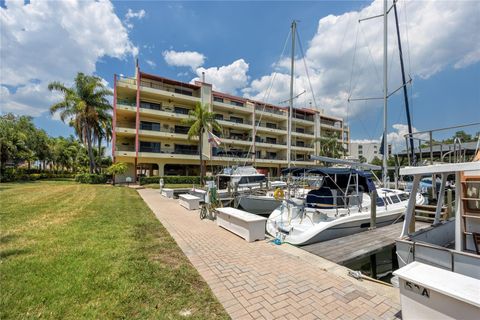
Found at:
<point>347,249</point>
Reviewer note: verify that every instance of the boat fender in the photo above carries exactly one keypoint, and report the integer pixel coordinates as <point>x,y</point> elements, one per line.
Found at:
<point>278,194</point>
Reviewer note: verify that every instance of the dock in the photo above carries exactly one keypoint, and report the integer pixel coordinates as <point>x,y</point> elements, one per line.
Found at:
<point>346,249</point>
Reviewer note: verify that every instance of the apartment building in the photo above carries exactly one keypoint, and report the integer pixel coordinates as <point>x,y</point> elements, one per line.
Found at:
<point>367,150</point>
<point>151,138</point>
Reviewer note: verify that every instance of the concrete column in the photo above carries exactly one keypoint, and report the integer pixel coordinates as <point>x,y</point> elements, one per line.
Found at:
<point>161,167</point>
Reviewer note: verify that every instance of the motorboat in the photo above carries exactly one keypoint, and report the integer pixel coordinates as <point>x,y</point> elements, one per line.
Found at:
<point>439,273</point>
<point>238,180</point>
<point>339,207</point>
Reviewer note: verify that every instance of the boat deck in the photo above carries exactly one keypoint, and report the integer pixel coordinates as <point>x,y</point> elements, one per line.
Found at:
<point>347,249</point>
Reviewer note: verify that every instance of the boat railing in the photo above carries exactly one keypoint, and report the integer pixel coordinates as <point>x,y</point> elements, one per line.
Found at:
<point>427,149</point>
<point>456,261</point>
<point>346,203</point>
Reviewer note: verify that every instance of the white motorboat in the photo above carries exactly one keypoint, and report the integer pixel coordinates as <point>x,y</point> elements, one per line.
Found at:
<point>239,179</point>
<point>339,207</point>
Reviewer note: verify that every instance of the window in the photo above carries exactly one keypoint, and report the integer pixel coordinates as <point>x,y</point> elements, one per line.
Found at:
<point>217,99</point>
<point>271,155</point>
<point>181,129</point>
<point>271,125</point>
<point>380,202</point>
<point>146,146</point>
<point>183,91</point>
<point>403,196</point>
<point>360,147</point>
<point>150,105</point>
<point>218,116</point>
<point>300,130</point>
<point>152,126</point>
<point>236,119</point>
<point>181,110</point>
<point>300,144</point>
<point>394,199</point>
<point>271,140</point>
<point>185,149</point>
<point>236,103</point>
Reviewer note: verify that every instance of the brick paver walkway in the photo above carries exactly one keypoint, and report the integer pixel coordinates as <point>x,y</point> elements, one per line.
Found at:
<point>263,281</point>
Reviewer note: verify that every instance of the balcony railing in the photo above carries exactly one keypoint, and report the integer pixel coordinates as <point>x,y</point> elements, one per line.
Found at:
<point>125,148</point>
<point>237,121</point>
<point>126,102</point>
<point>273,111</point>
<point>303,117</point>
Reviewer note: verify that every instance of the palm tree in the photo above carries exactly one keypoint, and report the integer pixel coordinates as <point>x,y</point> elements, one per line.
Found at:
<point>330,146</point>
<point>200,120</point>
<point>85,106</point>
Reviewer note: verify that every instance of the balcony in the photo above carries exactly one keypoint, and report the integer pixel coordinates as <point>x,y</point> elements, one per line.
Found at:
<point>236,140</point>
<point>305,134</point>
<point>230,106</point>
<point>127,83</point>
<point>271,113</point>
<point>278,130</point>
<point>124,151</point>
<point>235,124</point>
<point>166,92</point>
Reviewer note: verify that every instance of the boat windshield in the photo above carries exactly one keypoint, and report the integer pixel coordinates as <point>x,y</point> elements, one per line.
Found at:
<point>380,202</point>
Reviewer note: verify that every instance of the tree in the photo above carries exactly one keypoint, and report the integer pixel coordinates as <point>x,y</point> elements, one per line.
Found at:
<point>200,120</point>
<point>85,107</point>
<point>362,159</point>
<point>330,146</point>
<point>117,168</point>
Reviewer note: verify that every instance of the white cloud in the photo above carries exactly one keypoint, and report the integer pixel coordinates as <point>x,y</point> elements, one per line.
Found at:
<point>226,79</point>
<point>140,14</point>
<point>397,137</point>
<point>151,63</point>
<point>190,59</point>
<point>137,15</point>
<point>45,41</point>
<point>441,35</point>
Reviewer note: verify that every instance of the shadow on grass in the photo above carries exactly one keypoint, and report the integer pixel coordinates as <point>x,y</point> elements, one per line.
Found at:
<point>13,252</point>
<point>8,238</point>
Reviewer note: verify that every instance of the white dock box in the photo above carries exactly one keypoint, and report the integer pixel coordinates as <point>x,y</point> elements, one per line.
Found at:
<point>188,201</point>
<point>247,225</point>
<point>427,292</point>
<point>166,192</point>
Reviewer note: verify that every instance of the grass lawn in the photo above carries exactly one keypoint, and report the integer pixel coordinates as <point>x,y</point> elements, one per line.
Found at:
<point>74,251</point>
<point>169,185</point>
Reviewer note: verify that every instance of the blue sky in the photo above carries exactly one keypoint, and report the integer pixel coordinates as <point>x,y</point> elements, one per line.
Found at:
<point>238,45</point>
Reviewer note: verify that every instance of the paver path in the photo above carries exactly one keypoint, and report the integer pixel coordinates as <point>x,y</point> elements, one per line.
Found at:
<point>260,280</point>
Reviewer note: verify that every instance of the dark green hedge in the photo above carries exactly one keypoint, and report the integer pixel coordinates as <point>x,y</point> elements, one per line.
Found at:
<point>11,175</point>
<point>91,178</point>
<point>173,180</point>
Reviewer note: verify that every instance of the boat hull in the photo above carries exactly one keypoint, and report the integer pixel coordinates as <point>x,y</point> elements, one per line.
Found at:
<point>260,205</point>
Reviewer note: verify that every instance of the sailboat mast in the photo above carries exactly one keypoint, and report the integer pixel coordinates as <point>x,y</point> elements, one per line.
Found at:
<point>290,109</point>
<point>385,92</point>
<point>405,95</point>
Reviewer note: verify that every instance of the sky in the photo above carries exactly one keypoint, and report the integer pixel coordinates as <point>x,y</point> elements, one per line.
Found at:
<point>244,49</point>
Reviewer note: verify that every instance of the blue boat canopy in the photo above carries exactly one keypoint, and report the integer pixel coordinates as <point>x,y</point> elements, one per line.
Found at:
<point>365,182</point>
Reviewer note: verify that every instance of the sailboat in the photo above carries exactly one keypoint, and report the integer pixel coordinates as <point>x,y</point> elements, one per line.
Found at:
<point>343,203</point>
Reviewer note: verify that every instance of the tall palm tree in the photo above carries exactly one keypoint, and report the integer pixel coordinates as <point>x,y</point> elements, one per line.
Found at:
<point>85,106</point>
<point>200,120</point>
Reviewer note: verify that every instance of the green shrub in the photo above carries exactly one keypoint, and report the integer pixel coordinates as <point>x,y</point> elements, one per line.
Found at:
<point>91,178</point>
<point>12,175</point>
<point>172,179</point>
